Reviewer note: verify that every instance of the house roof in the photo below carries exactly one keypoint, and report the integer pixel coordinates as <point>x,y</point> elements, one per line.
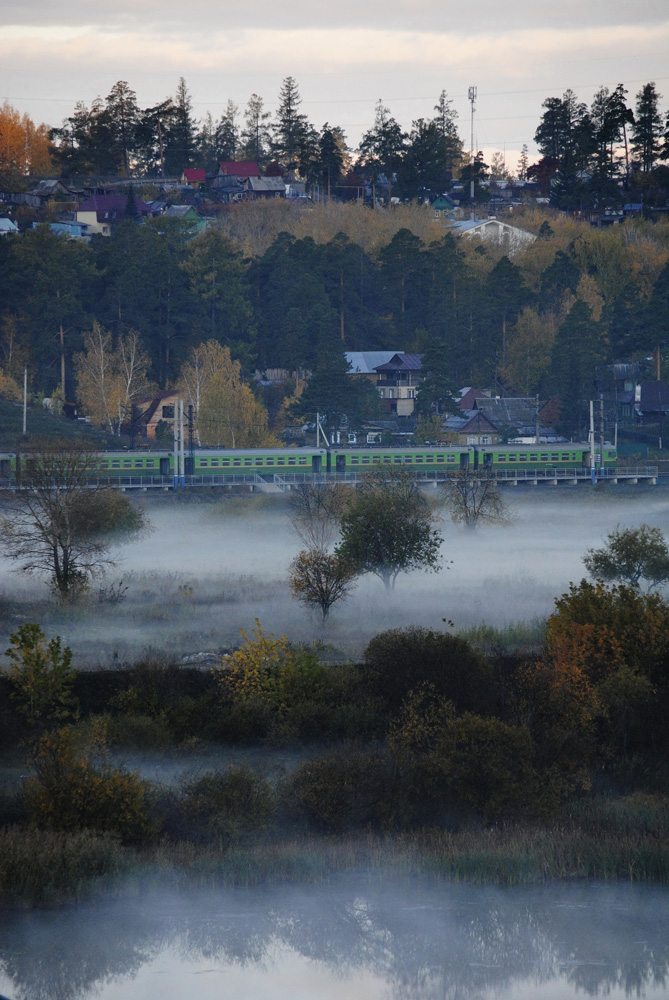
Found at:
<point>469,394</point>
<point>7,226</point>
<point>181,212</point>
<point>109,207</point>
<point>654,397</point>
<point>479,422</point>
<point>241,168</point>
<point>153,402</point>
<point>365,362</point>
<point>401,362</point>
<point>195,174</point>
<point>266,184</point>
<point>508,412</point>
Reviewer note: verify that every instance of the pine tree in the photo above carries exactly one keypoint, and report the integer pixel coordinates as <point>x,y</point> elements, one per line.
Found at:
<point>647,130</point>
<point>255,137</point>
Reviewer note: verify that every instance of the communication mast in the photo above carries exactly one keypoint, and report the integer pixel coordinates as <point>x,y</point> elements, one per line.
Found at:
<point>472,100</point>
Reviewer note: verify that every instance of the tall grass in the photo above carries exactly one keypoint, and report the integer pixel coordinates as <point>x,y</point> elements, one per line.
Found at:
<point>40,866</point>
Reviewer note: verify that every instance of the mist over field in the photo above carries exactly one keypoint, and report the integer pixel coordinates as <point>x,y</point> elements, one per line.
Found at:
<point>209,569</point>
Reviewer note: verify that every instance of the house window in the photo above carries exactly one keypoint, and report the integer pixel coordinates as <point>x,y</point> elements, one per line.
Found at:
<point>168,412</point>
<point>391,393</point>
<point>411,393</point>
<point>382,393</point>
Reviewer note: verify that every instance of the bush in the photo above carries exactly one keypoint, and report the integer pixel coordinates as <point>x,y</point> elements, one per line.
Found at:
<point>344,789</point>
<point>227,806</point>
<point>72,790</point>
<point>401,660</point>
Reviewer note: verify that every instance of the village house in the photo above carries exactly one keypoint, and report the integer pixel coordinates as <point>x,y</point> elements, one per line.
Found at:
<point>509,239</point>
<point>239,170</point>
<point>194,177</point>
<point>101,212</point>
<point>156,411</point>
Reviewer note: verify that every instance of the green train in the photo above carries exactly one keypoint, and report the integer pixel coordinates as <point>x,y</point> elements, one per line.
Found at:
<point>230,467</point>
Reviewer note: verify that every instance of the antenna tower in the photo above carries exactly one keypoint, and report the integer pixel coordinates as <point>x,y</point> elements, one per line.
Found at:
<point>472,100</point>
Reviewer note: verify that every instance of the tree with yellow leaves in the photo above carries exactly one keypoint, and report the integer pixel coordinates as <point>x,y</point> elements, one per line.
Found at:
<point>111,379</point>
<point>25,148</point>
<point>228,415</point>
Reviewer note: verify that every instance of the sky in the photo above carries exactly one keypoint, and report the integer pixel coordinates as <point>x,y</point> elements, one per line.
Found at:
<point>344,56</point>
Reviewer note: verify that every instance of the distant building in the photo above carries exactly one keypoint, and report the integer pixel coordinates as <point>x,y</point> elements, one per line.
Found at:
<point>8,227</point>
<point>156,410</point>
<point>193,177</point>
<point>396,376</point>
<point>240,170</point>
<point>510,239</point>
<point>101,212</point>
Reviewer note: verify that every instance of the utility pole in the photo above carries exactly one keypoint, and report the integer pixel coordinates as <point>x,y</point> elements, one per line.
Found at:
<point>601,432</point>
<point>181,443</point>
<point>25,401</point>
<point>175,427</point>
<point>472,99</point>
<point>592,445</point>
<point>538,426</point>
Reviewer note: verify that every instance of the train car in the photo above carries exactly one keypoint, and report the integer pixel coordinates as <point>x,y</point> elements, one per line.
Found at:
<point>214,465</point>
<point>563,457</point>
<point>349,461</point>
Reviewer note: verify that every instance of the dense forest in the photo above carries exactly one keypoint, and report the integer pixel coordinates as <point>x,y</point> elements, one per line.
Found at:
<point>293,290</point>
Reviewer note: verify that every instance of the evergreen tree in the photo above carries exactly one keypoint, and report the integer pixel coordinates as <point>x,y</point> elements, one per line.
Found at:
<point>577,352</point>
<point>647,129</point>
<point>180,142</point>
<point>381,149</point>
<point>256,134</point>
<point>423,169</point>
<point>402,274</point>
<point>437,390</point>
<point>227,134</point>
<point>331,158</point>
<point>448,131</point>
<point>506,294</point>
<point>339,397</point>
<point>294,138</point>
<point>153,128</point>
<point>121,116</point>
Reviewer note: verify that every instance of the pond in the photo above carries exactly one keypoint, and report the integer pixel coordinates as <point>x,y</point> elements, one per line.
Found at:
<point>352,938</point>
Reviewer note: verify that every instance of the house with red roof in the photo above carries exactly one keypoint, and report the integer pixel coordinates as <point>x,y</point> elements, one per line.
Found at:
<point>240,170</point>
<point>193,177</point>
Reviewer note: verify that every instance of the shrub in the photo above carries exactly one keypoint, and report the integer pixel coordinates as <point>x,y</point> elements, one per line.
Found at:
<point>344,789</point>
<point>228,805</point>
<point>73,790</point>
<point>41,676</point>
<point>400,660</point>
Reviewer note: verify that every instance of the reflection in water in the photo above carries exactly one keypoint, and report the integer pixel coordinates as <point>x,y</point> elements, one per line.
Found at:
<point>411,941</point>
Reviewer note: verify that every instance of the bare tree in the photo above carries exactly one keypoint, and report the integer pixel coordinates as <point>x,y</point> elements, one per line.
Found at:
<point>474,497</point>
<point>316,510</point>
<point>319,579</point>
<point>59,521</point>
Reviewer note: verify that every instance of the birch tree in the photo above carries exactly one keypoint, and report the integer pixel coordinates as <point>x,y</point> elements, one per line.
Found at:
<point>110,380</point>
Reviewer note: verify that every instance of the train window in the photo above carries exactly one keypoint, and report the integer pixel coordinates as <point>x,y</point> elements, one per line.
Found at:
<point>441,458</point>
<point>522,458</point>
<point>213,462</point>
<point>280,461</point>
<point>397,459</point>
<point>302,460</point>
<point>127,463</point>
<point>270,461</point>
<point>225,461</point>
<point>544,458</point>
<point>204,462</point>
<point>450,458</point>
<point>554,458</point>
<point>534,457</point>
<point>513,458</point>
<point>258,461</point>
<point>387,459</point>
<point>365,459</point>
<point>292,461</point>
<point>408,458</point>
<point>150,464</point>
<point>139,462</point>
<point>418,459</point>
<point>376,459</point>
<point>501,458</point>
<point>610,454</point>
<point>565,456</point>
<point>115,464</point>
<point>354,459</point>
<point>103,465</point>
<point>429,458</point>
<point>237,461</point>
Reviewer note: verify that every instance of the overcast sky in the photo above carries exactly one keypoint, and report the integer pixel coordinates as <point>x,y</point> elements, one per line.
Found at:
<point>345,55</point>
